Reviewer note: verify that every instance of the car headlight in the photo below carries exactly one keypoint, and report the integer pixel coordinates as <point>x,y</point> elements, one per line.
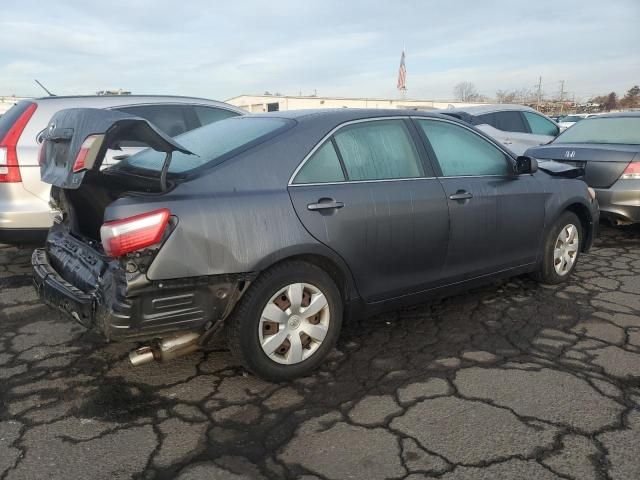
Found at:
<point>592,193</point>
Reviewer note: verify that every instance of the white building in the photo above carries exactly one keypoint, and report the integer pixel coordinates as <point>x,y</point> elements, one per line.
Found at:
<point>273,103</point>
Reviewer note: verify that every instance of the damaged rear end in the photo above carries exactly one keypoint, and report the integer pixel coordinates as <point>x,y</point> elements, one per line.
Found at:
<point>94,267</point>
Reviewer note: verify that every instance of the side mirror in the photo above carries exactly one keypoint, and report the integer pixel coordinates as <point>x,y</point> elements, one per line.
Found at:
<point>526,165</point>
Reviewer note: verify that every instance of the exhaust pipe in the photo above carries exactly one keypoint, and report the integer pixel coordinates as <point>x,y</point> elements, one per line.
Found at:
<point>165,349</point>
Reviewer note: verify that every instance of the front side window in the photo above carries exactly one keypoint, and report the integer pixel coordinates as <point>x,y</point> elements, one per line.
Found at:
<point>323,166</point>
<point>540,125</point>
<point>460,152</point>
<point>377,150</point>
<point>207,115</point>
<point>506,121</point>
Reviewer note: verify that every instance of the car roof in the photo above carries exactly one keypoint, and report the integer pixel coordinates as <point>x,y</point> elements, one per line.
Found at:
<point>630,114</point>
<point>340,115</point>
<point>497,107</point>
<point>105,101</point>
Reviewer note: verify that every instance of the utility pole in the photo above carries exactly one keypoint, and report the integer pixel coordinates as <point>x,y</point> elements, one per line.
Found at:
<point>561,95</point>
<point>539,93</point>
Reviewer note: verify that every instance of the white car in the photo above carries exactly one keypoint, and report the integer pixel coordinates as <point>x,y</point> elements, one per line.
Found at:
<point>515,126</point>
<point>572,119</point>
<point>25,214</point>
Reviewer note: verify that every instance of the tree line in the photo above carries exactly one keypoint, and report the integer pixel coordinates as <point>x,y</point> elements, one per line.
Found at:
<point>467,92</point>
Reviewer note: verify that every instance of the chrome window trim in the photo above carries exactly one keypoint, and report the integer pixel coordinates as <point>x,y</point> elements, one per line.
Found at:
<point>382,180</point>
<point>328,135</point>
<point>412,117</point>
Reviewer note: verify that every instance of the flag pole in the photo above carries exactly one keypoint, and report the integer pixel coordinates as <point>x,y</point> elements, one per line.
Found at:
<point>404,52</point>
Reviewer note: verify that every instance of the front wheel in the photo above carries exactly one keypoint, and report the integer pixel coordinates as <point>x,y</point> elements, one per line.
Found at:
<point>561,249</point>
<point>287,322</point>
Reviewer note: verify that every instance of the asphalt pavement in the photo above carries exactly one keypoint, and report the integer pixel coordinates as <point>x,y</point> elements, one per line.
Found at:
<point>510,381</point>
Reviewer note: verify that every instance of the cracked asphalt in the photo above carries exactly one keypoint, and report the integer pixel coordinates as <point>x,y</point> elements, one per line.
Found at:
<point>513,380</point>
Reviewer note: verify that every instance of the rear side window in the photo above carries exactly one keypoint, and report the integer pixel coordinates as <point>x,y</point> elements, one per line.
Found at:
<point>10,116</point>
<point>322,166</point>
<point>377,150</point>
<point>540,125</point>
<point>460,152</point>
<point>211,144</point>
<point>505,121</point>
<point>171,119</point>
<point>207,115</point>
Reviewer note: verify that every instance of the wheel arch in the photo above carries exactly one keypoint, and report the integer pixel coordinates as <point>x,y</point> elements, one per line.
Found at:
<point>322,257</point>
<point>583,212</point>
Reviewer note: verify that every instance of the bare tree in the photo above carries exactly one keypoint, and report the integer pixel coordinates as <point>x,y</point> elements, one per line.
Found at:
<point>466,92</point>
<point>522,95</point>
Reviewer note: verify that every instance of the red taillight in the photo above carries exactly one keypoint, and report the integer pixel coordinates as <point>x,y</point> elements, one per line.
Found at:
<point>134,233</point>
<point>9,167</point>
<point>79,165</point>
<point>632,172</point>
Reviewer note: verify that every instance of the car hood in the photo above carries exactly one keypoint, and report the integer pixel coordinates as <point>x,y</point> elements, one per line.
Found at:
<point>558,169</point>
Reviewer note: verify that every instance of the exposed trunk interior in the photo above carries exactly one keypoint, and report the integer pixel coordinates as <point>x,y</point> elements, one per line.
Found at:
<point>84,207</point>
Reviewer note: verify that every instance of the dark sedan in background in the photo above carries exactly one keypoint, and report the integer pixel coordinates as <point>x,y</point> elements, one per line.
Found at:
<point>274,225</point>
<point>607,147</point>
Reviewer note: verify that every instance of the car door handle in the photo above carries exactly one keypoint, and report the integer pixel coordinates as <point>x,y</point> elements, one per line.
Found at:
<point>124,156</point>
<point>461,195</point>
<point>507,142</point>
<point>324,205</point>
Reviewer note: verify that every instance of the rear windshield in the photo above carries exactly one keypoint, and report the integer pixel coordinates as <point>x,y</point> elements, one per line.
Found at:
<point>10,116</point>
<point>615,130</point>
<point>211,144</point>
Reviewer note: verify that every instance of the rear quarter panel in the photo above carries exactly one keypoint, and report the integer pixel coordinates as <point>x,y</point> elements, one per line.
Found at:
<point>235,218</point>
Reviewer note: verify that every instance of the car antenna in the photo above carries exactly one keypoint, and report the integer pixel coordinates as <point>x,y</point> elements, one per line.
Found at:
<point>163,172</point>
<point>44,88</point>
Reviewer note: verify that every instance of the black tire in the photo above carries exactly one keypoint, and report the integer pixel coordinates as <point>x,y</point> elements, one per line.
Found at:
<point>242,326</point>
<point>547,273</point>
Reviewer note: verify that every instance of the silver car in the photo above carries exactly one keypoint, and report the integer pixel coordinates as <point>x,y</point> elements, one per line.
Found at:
<point>515,126</point>
<point>25,214</point>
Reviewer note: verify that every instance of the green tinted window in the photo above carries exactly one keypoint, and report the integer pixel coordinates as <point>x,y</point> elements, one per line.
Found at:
<point>460,152</point>
<point>323,166</point>
<point>380,149</point>
<point>540,125</point>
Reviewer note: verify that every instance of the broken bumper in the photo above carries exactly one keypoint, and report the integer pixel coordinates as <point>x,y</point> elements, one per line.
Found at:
<point>57,292</point>
<point>621,202</point>
<point>72,277</point>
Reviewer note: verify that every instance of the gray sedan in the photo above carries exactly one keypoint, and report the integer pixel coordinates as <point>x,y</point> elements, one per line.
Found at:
<point>275,226</point>
<point>607,147</point>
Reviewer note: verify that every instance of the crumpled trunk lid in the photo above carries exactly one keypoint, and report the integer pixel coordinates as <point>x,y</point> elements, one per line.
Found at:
<point>68,129</point>
<point>602,164</point>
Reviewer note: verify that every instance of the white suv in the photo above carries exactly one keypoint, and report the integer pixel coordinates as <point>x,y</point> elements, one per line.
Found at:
<point>515,126</point>
<point>25,214</point>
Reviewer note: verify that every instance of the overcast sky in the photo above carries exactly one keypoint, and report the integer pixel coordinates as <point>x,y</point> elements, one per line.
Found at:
<point>345,48</point>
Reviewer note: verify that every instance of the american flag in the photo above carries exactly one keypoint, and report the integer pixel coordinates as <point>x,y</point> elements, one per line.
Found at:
<point>402,74</point>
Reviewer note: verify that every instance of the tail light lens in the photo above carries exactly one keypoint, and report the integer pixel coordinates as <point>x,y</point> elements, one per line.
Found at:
<point>134,233</point>
<point>9,167</point>
<point>79,164</point>
<point>632,172</point>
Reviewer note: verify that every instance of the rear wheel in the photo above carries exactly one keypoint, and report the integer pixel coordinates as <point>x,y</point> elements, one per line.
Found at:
<point>287,322</point>
<point>561,249</point>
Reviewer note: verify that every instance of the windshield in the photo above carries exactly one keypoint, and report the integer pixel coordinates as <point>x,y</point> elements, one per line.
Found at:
<point>211,144</point>
<point>572,118</point>
<point>616,130</point>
